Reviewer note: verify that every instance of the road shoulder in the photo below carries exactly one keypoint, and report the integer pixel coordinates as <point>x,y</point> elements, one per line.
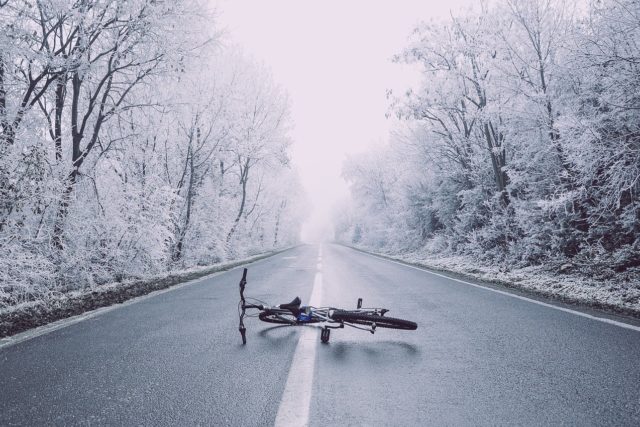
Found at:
<point>584,302</point>
<point>15,320</point>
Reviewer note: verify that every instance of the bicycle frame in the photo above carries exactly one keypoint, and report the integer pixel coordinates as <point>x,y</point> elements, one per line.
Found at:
<point>293,314</point>
<point>324,313</point>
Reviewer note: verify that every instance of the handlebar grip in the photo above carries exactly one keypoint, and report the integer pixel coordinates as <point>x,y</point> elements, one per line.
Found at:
<point>243,333</point>
<point>243,282</point>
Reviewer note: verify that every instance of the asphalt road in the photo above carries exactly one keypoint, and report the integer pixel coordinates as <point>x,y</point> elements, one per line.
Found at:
<point>478,357</point>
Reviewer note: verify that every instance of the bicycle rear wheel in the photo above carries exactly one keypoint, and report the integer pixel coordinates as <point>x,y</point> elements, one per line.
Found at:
<point>283,317</point>
<point>370,319</point>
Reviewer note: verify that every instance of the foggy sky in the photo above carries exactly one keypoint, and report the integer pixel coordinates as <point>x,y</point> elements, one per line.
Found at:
<point>334,59</point>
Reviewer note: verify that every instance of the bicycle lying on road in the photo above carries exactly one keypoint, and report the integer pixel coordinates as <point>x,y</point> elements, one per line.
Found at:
<point>293,314</point>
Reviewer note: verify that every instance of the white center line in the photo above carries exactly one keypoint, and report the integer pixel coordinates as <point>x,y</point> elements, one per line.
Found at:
<point>296,399</point>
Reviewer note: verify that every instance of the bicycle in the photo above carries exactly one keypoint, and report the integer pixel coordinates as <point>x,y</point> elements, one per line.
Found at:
<point>293,314</point>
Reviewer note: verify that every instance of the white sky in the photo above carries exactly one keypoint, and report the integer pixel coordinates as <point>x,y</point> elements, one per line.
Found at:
<point>333,57</point>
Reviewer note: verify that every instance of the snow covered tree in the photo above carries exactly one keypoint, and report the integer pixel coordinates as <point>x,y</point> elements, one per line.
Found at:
<point>132,143</point>
<point>522,139</point>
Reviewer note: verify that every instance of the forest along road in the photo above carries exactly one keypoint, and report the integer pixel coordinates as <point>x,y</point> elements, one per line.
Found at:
<point>478,357</point>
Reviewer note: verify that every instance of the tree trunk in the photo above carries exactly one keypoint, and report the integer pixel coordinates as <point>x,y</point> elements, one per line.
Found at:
<point>76,139</point>
<point>3,99</point>
<point>61,85</point>
<point>63,210</point>
<point>182,232</point>
<point>244,176</point>
<point>497,161</point>
<point>277,228</point>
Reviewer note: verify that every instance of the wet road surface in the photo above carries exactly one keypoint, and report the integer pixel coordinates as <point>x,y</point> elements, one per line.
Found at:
<point>477,358</point>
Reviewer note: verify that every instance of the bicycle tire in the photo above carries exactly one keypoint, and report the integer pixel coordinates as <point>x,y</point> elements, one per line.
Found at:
<point>369,319</point>
<point>283,317</point>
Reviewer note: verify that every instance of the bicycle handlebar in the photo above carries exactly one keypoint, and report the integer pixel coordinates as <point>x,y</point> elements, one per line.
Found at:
<point>243,282</point>
<point>241,327</point>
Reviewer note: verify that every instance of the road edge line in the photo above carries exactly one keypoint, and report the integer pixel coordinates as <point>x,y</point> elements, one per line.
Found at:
<point>520,297</point>
<point>68,321</point>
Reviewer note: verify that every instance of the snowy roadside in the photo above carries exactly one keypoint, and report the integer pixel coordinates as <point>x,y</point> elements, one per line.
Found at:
<point>619,294</point>
<point>32,314</point>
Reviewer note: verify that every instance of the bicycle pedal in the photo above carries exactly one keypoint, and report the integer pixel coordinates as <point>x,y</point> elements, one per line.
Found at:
<point>324,335</point>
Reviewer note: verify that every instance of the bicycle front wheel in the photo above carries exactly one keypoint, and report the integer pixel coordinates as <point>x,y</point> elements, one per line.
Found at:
<point>283,317</point>
<point>370,319</point>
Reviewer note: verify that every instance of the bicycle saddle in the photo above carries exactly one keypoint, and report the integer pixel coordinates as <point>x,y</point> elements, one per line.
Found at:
<point>293,306</point>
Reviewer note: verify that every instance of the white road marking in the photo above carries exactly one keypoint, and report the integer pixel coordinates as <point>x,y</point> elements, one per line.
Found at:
<point>555,307</point>
<point>319,266</point>
<point>296,399</point>
<point>289,257</point>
